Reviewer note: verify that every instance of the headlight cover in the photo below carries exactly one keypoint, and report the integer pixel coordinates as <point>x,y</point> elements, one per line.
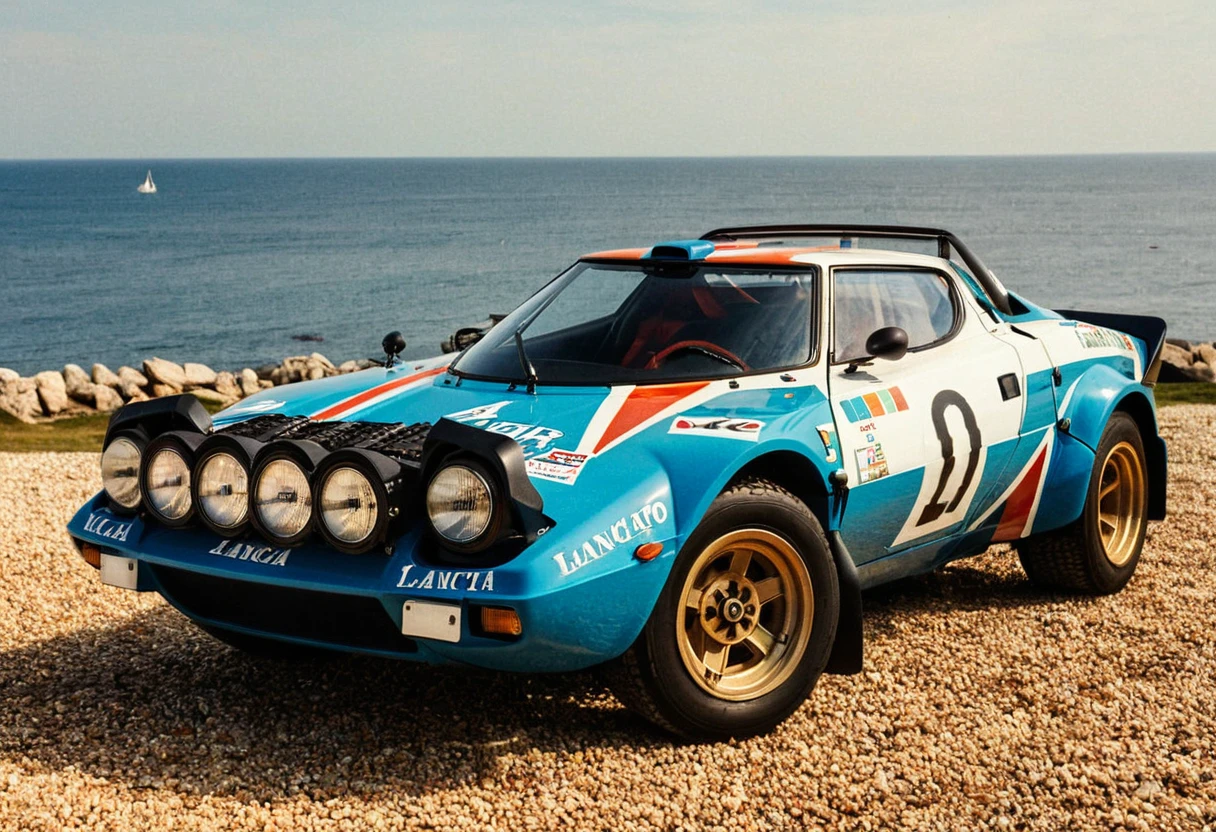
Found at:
<point>350,507</point>
<point>282,500</point>
<point>120,472</point>
<point>460,504</point>
<point>222,491</point>
<point>166,484</point>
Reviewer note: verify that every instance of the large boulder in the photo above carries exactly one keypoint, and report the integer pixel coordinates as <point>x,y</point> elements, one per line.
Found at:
<point>159,390</point>
<point>226,385</point>
<point>132,375</point>
<point>106,398</point>
<point>104,375</point>
<point>205,394</point>
<point>7,375</point>
<point>1179,365</point>
<point>248,380</point>
<point>78,384</point>
<point>317,358</point>
<point>1206,353</point>
<point>19,396</point>
<point>165,373</point>
<point>198,375</point>
<point>52,392</point>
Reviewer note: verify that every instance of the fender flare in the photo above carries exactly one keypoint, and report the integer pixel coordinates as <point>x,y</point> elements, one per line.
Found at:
<point>1098,393</point>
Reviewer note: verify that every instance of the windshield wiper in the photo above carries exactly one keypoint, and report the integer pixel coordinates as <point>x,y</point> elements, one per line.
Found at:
<point>524,361</point>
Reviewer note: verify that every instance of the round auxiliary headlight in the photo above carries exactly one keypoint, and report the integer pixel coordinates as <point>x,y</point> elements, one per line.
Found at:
<point>349,506</point>
<point>167,484</point>
<point>223,490</point>
<point>120,472</point>
<point>282,499</point>
<point>460,504</point>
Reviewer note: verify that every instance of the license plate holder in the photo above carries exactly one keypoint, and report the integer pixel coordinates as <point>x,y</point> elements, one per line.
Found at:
<point>119,571</point>
<point>431,619</point>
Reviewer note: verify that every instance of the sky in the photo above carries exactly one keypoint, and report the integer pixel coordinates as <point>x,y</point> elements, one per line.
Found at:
<point>145,79</point>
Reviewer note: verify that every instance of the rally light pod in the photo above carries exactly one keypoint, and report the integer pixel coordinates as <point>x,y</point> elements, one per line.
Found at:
<point>305,454</point>
<point>504,459</point>
<point>156,416</point>
<point>184,444</point>
<point>387,484</point>
<point>242,450</point>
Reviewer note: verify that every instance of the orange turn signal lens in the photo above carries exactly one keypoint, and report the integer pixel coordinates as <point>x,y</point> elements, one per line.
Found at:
<point>91,555</point>
<point>501,621</point>
<point>648,551</point>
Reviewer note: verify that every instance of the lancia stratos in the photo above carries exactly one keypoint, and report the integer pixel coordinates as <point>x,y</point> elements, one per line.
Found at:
<point>682,464</point>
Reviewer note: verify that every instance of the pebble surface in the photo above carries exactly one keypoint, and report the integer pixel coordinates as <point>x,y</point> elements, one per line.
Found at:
<point>985,703</point>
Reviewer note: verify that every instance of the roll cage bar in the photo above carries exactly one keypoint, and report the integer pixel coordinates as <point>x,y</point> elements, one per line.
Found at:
<point>997,295</point>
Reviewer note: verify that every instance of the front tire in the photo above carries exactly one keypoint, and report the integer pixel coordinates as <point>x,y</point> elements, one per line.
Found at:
<point>743,627</point>
<point>1098,553</point>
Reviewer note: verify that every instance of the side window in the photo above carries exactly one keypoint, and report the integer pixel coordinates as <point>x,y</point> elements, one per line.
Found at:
<point>918,301</point>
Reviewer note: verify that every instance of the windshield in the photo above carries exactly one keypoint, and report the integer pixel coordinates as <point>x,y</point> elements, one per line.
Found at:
<point>649,322</point>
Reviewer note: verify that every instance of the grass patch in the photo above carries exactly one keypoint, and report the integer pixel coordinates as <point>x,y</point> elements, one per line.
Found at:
<point>79,433</point>
<point>1191,392</point>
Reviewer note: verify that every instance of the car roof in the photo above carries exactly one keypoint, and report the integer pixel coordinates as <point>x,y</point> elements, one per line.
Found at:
<point>754,254</point>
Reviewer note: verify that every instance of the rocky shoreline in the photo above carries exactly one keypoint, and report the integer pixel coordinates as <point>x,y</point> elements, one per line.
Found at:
<point>55,394</point>
<point>73,391</point>
<point>1183,360</point>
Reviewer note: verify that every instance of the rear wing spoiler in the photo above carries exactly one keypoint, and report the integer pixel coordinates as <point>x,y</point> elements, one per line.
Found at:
<point>946,241</point>
<point>1148,329</point>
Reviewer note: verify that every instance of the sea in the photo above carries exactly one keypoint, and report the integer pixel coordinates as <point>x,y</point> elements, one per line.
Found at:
<point>232,258</point>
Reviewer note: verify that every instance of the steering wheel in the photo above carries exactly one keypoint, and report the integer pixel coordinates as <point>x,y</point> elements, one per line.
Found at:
<point>704,347</point>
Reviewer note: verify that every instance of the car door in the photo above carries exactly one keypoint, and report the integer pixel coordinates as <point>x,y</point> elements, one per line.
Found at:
<point>925,434</point>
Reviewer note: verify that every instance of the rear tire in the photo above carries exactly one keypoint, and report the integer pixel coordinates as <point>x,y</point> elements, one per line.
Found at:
<point>1098,553</point>
<point>744,626</point>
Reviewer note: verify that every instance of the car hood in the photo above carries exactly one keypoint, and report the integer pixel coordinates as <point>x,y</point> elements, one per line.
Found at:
<point>426,392</point>
<point>595,454</point>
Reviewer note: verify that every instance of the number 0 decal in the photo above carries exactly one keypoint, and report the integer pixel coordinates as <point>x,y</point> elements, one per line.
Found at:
<point>951,398</point>
<point>940,503</point>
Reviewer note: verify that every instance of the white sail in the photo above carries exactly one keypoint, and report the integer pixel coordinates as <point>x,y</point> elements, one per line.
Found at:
<point>149,187</point>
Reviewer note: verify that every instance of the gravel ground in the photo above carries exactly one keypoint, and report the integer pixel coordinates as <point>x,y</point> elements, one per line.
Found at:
<point>985,702</point>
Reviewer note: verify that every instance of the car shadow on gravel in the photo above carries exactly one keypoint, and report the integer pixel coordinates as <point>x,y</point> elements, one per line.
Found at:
<point>155,703</point>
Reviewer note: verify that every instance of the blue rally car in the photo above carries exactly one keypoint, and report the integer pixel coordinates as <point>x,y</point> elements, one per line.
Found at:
<point>683,463</point>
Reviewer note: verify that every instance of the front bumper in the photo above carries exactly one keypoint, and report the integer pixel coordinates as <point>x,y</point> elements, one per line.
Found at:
<point>314,595</point>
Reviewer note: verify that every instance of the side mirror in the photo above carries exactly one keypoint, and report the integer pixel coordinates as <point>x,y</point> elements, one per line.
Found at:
<point>394,344</point>
<point>890,342</point>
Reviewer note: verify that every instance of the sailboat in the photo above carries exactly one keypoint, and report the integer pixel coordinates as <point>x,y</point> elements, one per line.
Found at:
<point>149,187</point>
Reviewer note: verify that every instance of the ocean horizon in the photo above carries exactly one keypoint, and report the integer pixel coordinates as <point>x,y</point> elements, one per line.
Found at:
<point>231,258</point>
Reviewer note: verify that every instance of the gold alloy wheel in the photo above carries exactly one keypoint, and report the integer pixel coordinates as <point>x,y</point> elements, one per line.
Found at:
<point>1122,502</point>
<point>747,606</point>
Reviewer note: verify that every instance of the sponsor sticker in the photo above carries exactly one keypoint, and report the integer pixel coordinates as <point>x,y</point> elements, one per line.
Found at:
<point>746,429</point>
<point>557,465</point>
<point>827,435</point>
<point>532,438</point>
<point>104,525</point>
<point>1098,338</point>
<point>446,579</point>
<point>871,463</point>
<point>637,524</point>
<point>256,407</point>
<point>873,405</point>
<point>252,552</point>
